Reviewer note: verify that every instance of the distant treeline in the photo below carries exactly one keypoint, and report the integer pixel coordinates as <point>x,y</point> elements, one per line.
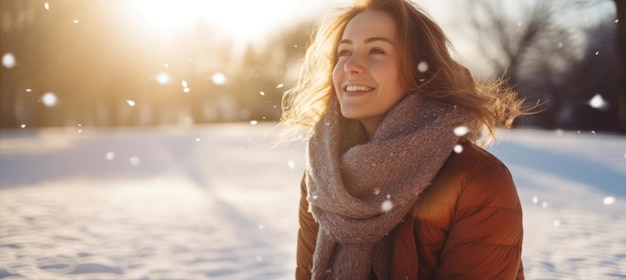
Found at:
<point>93,63</point>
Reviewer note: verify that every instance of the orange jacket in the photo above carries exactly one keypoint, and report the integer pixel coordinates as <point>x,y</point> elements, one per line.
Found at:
<point>466,225</point>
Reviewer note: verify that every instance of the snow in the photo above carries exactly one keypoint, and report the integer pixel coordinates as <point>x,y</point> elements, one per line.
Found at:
<point>157,203</point>
<point>8,60</point>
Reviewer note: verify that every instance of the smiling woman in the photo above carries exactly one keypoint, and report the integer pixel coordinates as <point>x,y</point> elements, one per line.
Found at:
<point>243,20</point>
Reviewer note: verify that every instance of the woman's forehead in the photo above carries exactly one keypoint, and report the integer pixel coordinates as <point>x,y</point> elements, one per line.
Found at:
<point>370,24</point>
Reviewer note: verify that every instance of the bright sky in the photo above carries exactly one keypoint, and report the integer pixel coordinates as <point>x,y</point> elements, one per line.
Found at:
<point>252,20</point>
<point>243,19</point>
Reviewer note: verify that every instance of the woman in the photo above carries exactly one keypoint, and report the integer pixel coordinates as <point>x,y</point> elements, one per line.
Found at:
<point>395,186</point>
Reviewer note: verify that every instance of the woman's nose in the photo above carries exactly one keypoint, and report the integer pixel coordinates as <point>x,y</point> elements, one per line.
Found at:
<point>354,64</point>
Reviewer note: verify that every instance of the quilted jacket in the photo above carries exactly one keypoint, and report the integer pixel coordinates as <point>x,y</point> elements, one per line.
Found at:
<point>466,225</point>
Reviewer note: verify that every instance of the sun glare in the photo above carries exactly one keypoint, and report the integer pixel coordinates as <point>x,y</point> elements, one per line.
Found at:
<point>243,19</point>
<point>166,13</point>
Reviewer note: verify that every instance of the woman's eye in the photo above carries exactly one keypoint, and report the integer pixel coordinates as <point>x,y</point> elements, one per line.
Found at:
<point>343,53</point>
<point>377,51</point>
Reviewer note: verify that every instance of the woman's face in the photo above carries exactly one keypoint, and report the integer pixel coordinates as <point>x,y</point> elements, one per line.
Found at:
<point>366,77</point>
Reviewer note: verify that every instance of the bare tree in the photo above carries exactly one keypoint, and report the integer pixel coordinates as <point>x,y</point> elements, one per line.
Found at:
<point>619,45</point>
<point>596,74</point>
<point>504,39</point>
<point>526,47</point>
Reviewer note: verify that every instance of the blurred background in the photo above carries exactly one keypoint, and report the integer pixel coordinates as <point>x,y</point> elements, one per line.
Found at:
<point>146,63</point>
<point>171,193</point>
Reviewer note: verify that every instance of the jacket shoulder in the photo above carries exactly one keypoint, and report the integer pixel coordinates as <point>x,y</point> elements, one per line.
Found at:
<point>472,200</point>
<point>483,179</point>
<point>471,166</point>
<point>472,159</point>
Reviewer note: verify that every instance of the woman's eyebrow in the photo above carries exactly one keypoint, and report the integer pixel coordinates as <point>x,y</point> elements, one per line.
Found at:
<point>368,40</point>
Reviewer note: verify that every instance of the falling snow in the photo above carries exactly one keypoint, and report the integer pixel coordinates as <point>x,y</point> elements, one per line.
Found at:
<point>386,205</point>
<point>49,99</point>
<point>422,67</point>
<point>110,156</point>
<point>218,79</point>
<point>8,60</point>
<point>461,131</point>
<point>131,103</point>
<point>609,200</point>
<point>163,78</point>
<point>597,102</point>
<point>46,6</point>
<point>134,161</point>
<point>458,149</point>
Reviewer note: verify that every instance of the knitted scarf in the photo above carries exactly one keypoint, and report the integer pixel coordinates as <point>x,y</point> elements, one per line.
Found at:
<point>359,190</point>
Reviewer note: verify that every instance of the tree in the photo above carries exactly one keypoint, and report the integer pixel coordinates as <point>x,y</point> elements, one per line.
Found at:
<point>539,55</point>
<point>17,37</point>
<point>595,75</point>
<point>265,73</point>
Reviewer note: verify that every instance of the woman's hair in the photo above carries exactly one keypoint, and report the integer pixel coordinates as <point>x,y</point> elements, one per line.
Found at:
<point>426,66</point>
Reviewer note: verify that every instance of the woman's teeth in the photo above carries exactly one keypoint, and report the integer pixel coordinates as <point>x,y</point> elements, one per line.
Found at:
<point>358,88</point>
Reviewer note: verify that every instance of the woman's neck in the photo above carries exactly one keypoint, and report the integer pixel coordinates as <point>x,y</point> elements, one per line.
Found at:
<point>371,125</point>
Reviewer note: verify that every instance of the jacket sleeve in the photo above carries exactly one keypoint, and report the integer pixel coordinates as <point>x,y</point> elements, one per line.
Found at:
<point>485,237</point>
<point>307,237</point>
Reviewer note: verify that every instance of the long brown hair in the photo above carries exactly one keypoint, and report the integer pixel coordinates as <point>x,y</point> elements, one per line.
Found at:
<point>426,66</point>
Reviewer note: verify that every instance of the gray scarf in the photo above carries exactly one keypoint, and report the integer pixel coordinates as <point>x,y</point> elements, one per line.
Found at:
<point>358,191</point>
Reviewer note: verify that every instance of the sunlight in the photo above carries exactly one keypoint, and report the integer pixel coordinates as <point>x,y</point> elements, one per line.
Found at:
<point>243,20</point>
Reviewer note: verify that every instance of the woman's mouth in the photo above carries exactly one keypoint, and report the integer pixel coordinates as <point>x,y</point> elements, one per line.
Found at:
<point>357,89</point>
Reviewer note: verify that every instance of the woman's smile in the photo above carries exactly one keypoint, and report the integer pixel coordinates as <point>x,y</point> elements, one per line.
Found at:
<point>356,90</point>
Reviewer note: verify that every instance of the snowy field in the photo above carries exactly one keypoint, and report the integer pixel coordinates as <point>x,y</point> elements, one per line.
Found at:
<point>215,202</point>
